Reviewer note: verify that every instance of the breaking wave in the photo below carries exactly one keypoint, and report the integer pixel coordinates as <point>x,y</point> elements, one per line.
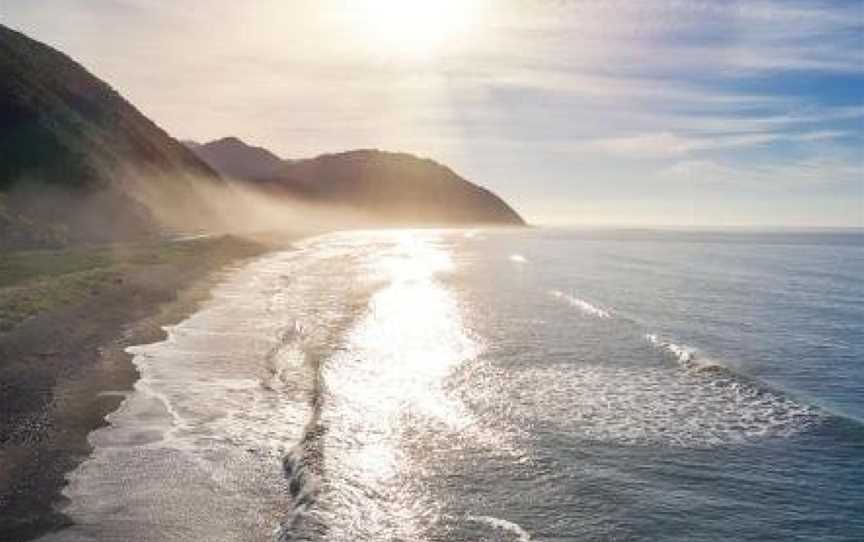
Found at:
<point>656,406</point>
<point>697,403</point>
<point>584,306</point>
<point>684,355</point>
<point>520,534</point>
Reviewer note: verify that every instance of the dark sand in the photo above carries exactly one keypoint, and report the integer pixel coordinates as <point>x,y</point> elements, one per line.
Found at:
<point>58,369</point>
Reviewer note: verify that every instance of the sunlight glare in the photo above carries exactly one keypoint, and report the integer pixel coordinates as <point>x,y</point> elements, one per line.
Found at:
<point>413,28</point>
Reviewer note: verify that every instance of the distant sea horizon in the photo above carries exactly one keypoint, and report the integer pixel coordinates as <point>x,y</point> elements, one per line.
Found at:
<point>697,227</point>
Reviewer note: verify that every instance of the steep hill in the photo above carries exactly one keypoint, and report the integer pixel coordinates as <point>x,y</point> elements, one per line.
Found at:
<point>234,158</point>
<point>70,144</point>
<point>395,187</point>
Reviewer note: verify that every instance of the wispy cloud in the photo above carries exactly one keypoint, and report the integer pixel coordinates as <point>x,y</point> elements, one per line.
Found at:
<point>803,173</point>
<point>667,144</point>
<point>728,38</point>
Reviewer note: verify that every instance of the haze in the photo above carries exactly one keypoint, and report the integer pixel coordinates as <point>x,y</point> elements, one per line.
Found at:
<point>665,112</point>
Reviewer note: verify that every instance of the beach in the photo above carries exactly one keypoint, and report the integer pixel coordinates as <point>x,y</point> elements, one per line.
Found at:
<point>62,370</point>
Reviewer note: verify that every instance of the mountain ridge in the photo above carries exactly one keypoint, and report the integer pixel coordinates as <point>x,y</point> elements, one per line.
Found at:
<point>80,163</point>
<point>232,157</point>
<point>394,187</point>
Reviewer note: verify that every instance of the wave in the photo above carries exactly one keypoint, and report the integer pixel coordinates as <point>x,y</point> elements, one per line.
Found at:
<point>584,306</point>
<point>686,356</point>
<point>696,403</point>
<point>504,525</point>
<point>654,406</point>
<point>702,404</point>
<point>302,469</point>
<point>518,258</point>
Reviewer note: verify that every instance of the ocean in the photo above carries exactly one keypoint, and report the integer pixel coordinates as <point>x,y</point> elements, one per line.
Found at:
<point>500,385</point>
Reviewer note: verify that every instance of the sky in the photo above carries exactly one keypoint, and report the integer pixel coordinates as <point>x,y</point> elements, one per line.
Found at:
<point>665,112</point>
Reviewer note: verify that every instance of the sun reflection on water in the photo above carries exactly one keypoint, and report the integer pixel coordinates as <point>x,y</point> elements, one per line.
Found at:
<point>389,378</point>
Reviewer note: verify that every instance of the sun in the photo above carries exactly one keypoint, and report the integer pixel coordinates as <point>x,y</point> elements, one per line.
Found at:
<point>413,28</point>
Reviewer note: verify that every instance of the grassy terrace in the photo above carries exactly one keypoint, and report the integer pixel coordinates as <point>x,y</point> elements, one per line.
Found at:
<point>34,281</point>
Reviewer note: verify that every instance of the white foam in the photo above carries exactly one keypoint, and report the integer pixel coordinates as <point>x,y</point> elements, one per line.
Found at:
<point>504,525</point>
<point>659,406</point>
<point>198,444</point>
<point>584,306</point>
<point>518,258</point>
<point>686,356</point>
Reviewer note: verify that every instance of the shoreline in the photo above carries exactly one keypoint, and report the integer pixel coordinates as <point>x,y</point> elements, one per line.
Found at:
<point>64,370</point>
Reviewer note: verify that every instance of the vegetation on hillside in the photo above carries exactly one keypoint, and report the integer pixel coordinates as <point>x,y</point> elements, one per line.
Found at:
<point>37,281</point>
<point>69,148</point>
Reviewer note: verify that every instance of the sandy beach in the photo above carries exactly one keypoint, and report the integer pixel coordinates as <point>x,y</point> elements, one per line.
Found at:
<point>62,370</point>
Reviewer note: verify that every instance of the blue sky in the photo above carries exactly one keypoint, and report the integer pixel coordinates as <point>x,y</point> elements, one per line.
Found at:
<point>588,112</point>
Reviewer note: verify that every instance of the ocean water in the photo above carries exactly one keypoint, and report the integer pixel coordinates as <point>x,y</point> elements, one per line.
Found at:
<point>483,385</point>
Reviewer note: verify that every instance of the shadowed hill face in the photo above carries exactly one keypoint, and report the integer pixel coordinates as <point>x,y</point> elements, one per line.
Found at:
<point>64,126</point>
<point>68,136</point>
<point>234,158</point>
<point>396,187</point>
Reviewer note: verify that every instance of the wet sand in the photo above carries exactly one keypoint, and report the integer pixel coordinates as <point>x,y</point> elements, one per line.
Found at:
<point>62,371</point>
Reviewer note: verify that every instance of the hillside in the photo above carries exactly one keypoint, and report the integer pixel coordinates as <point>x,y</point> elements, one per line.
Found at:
<point>394,188</point>
<point>69,146</point>
<point>78,162</point>
<point>234,158</point>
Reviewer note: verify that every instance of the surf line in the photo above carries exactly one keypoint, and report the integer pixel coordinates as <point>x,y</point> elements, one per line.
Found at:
<point>503,525</point>
<point>584,306</point>
<point>687,357</point>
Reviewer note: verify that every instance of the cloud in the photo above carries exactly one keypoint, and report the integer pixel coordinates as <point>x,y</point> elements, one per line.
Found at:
<point>727,39</point>
<point>793,174</point>
<point>667,144</point>
<point>799,117</point>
